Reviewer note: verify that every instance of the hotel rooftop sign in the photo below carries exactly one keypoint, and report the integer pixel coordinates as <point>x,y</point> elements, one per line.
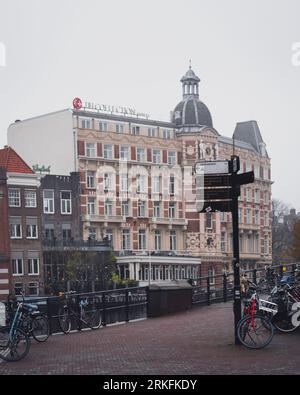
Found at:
<point>119,110</point>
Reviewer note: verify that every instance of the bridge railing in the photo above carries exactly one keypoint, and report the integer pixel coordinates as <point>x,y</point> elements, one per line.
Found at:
<point>118,305</point>
<point>220,288</point>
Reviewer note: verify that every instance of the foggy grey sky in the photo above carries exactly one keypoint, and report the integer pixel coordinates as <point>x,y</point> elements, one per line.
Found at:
<point>133,53</point>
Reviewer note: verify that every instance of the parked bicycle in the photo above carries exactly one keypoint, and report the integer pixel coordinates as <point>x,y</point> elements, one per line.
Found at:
<point>269,280</point>
<point>81,309</point>
<point>33,322</point>
<point>255,330</point>
<point>286,296</point>
<point>14,341</point>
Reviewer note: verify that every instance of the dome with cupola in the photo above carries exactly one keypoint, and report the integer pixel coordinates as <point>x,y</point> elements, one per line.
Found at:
<point>191,112</point>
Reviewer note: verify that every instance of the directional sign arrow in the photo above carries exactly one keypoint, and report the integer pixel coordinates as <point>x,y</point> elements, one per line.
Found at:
<point>245,178</point>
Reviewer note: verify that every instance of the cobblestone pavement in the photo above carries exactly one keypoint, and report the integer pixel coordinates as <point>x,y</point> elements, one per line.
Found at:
<point>199,341</point>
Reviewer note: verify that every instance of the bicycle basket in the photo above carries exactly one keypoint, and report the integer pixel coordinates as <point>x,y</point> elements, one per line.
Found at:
<point>270,307</point>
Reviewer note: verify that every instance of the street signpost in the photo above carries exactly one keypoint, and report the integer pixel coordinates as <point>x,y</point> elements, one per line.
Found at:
<point>218,189</point>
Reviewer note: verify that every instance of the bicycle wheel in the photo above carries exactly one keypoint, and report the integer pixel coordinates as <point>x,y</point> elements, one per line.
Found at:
<point>283,323</point>
<point>15,349</point>
<point>64,319</point>
<point>93,319</point>
<point>256,332</point>
<point>40,328</point>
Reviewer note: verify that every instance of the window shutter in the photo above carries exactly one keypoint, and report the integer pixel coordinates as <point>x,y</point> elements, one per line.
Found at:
<point>99,149</point>
<point>80,147</point>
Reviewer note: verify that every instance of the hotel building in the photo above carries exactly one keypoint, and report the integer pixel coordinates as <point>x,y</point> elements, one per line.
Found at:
<point>138,187</point>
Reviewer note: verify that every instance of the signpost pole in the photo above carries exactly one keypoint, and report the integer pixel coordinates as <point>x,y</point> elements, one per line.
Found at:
<point>236,253</point>
<point>220,192</point>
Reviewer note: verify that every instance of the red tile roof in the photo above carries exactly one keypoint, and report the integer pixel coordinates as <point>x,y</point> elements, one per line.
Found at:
<point>12,162</point>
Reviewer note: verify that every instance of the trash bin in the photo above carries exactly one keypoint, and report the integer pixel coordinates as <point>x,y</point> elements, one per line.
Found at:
<point>169,297</point>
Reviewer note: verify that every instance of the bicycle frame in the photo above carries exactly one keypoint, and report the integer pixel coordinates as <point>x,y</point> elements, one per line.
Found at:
<point>16,320</point>
<point>250,309</point>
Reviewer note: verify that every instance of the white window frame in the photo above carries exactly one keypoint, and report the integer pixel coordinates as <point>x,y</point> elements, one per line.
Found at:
<point>64,204</point>
<point>157,240</point>
<point>13,231</point>
<point>108,208</point>
<point>31,227</point>
<point>31,199</point>
<point>103,126</point>
<point>248,194</point>
<point>125,208</point>
<point>172,210</point>
<point>152,132</point>
<point>156,184</point>
<point>135,130</point>
<point>140,183</point>
<point>172,158</point>
<point>142,208</point>
<point>90,150</point>
<point>256,217</point>
<point>85,124</point>
<point>266,197</point>
<point>14,201</point>
<point>266,245</point>
<point>267,218</point>
<point>166,133</point>
<point>90,179</point>
<point>156,206</point>
<point>126,242</point>
<point>156,156</point>
<point>248,216</point>
<point>31,266</point>
<point>17,273</point>
<point>257,196</point>
<point>142,236</point>
<point>240,215</point>
<point>173,240</point>
<point>124,182</point>
<point>140,158</point>
<point>108,151</point>
<point>120,128</point>
<point>124,152</point>
<point>48,200</point>
<point>91,203</point>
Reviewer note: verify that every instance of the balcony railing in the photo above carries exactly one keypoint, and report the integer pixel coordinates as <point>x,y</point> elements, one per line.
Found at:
<point>168,253</point>
<point>76,244</point>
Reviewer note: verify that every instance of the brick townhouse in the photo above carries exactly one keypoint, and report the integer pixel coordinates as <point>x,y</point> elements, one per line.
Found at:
<point>24,224</point>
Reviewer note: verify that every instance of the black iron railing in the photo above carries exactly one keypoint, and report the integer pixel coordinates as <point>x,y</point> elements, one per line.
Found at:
<point>219,288</point>
<point>119,305</point>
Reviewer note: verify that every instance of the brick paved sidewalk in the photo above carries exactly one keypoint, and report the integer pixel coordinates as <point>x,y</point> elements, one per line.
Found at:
<point>199,341</point>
